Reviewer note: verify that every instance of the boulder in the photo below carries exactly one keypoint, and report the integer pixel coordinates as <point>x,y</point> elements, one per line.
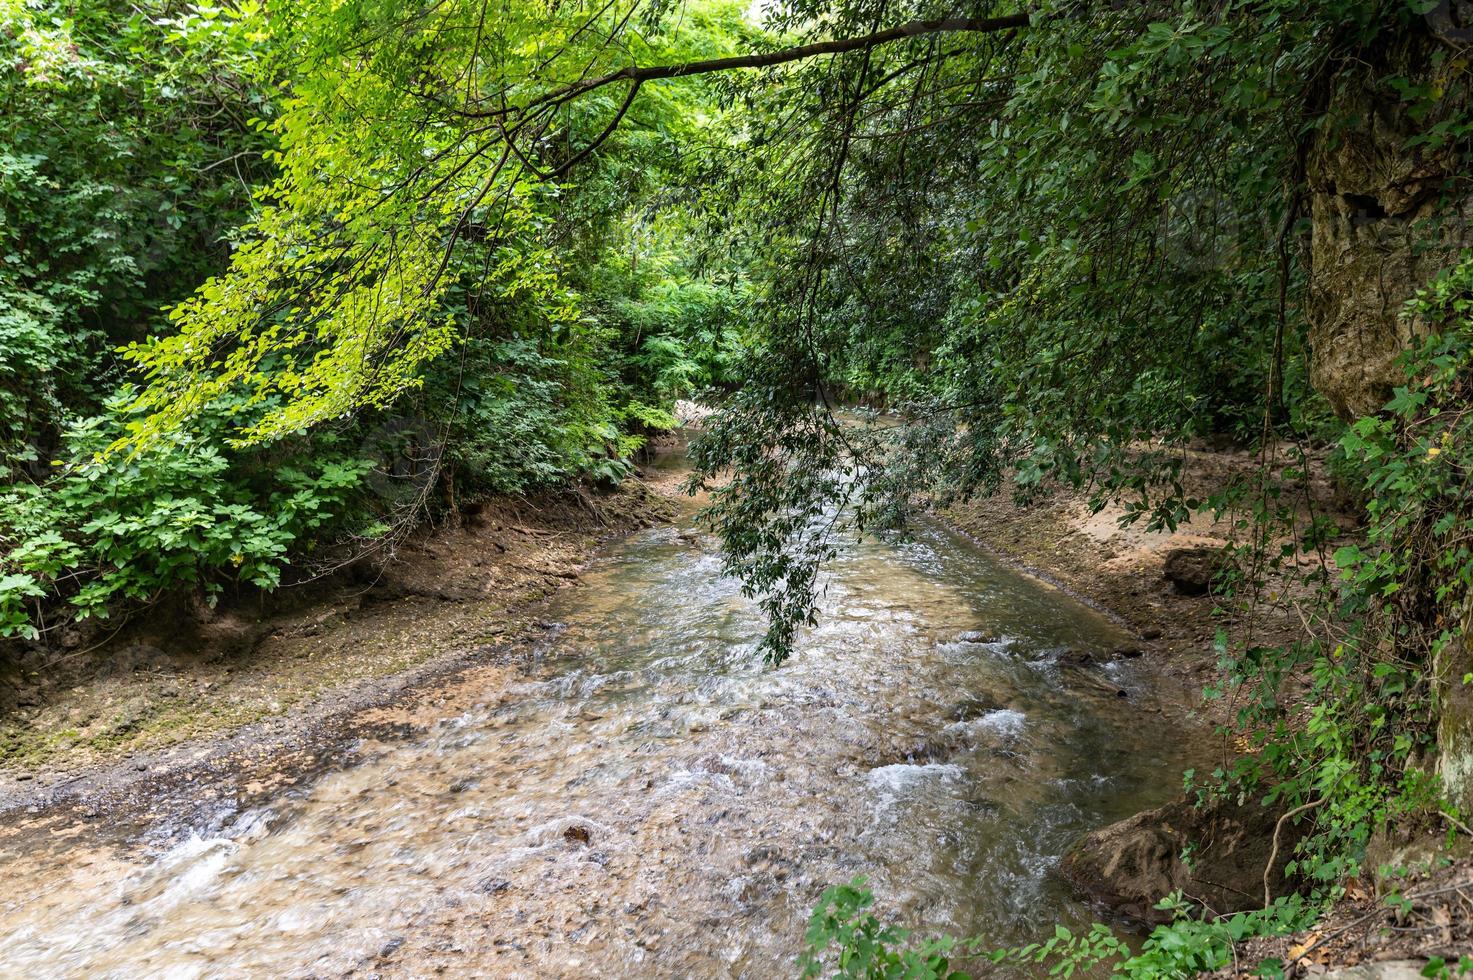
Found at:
<point>1191,570</point>
<point>1131,865</point>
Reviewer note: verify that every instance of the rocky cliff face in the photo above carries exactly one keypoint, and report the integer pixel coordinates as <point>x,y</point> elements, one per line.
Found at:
<point>1386,217</point>
<point>1388,213</point>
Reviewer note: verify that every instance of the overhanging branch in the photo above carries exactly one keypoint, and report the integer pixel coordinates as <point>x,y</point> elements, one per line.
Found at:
<point>637,76</point>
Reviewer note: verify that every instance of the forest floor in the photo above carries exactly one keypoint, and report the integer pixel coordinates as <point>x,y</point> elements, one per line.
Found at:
<point>182,687</point>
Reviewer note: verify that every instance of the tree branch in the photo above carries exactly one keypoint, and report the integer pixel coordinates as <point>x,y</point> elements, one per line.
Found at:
<point>607,131</point>
<point>637,75</point>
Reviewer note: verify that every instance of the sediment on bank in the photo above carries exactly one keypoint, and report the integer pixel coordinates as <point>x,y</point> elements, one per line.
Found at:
<point>180,672</point>
<point>1156,583</point>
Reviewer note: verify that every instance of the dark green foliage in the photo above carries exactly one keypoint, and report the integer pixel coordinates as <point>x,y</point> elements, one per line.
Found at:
<point>1060,254</point>
<point>191,513</point>
<point>125,163</point>
<point>845,939</point>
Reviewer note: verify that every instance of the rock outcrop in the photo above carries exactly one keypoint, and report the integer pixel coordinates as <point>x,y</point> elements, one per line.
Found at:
<point>1387,214</point>
<point>1131,865</point>
<point>1191,570</point>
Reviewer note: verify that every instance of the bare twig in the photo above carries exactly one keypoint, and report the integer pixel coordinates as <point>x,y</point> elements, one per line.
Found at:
<point>1273,854</point>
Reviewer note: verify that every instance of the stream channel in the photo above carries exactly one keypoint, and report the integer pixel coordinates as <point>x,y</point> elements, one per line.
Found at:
<point>643,797</point>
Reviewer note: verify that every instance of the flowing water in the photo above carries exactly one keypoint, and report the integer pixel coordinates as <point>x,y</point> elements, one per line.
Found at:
<point>645,798</point>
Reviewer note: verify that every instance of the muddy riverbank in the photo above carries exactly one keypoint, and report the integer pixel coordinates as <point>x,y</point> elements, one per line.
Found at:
<point>1123,570</point>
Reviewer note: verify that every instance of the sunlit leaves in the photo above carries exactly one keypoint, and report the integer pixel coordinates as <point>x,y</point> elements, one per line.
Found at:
<point>408,135</point>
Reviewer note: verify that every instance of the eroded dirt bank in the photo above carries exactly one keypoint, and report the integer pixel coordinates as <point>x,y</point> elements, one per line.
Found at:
<point>1123,570</point>
<point>270,686</point>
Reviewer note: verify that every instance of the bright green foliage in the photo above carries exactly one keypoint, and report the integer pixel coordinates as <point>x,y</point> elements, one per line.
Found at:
<point>866,948</point>
<point>1186,947</point>
<point>401,141</point>
<point>125,166</point>
<point>327,227</point>
<point>682,328</point>
<point>846,939</point>
<point>105,531</point>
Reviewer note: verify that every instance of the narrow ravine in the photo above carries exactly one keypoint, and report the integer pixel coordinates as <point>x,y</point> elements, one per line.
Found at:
<point>647,799</point>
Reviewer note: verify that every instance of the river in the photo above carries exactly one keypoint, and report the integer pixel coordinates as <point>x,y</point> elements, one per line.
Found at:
<point>643,797</point>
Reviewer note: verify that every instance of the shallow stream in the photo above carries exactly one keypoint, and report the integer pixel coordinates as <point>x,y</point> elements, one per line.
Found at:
<point>647,799</point>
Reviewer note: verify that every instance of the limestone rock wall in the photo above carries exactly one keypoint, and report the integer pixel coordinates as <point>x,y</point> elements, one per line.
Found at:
<point>1385,219</point>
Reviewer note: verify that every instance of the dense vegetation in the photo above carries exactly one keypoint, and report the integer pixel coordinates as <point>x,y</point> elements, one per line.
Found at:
<point>211,369</point>
<point>254,264</point>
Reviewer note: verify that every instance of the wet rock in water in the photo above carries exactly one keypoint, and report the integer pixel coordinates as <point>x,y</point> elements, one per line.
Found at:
<point>974,707</point>
<point>977,636</point>
<point>1131,865</point>
<point>1151,633</point>
<point>1070,657</point>
<point>1191,570</point>
<point>577,834</point>
<point>937,748</point>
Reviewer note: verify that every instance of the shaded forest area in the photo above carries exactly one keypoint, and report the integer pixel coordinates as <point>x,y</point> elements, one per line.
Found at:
<point>280,285</point>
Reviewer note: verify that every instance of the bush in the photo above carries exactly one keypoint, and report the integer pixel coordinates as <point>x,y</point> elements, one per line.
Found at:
<point>113,528</point>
